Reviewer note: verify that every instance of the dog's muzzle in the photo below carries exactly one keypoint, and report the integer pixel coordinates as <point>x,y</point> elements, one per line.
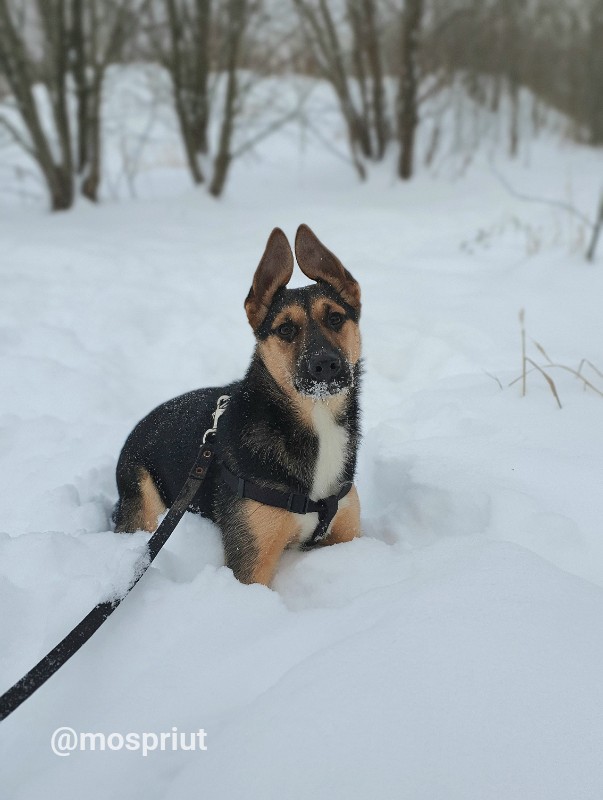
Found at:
<point>322,374</point>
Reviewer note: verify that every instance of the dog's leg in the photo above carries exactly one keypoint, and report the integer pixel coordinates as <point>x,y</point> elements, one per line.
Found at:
<point>253,551</point>
<point>140,504</point>
<point>346,525</point>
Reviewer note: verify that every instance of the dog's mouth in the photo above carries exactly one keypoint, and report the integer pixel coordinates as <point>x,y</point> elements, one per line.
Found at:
<point>319,390</point>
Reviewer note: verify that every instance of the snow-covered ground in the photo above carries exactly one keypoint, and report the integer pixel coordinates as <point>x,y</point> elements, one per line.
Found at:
<point>452,653</point>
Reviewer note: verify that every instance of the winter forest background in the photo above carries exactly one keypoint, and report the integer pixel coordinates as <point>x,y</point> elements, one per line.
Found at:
<point>231,74</point>
<point>450,152</point>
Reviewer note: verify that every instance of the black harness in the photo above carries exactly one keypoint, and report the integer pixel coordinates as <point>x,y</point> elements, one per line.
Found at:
<point>290,501</point>
<point>206,457</point>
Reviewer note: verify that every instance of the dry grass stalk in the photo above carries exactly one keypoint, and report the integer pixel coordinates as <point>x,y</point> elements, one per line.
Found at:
<point>550,364</point>
<point>522,317</point>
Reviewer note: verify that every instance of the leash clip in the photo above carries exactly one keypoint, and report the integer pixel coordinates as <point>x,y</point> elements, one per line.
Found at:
<point>220,409</point>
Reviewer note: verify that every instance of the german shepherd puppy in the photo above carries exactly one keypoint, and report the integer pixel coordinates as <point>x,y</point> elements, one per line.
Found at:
<point>292,423</point>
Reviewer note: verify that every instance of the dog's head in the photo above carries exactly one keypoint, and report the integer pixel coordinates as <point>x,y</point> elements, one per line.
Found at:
<point>307,338</point>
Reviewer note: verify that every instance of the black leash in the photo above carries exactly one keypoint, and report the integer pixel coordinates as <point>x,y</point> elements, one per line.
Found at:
<point>76,638</point>
<point>46,668</point>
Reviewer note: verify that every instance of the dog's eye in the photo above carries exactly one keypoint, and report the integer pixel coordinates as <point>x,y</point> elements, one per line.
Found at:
<point>287,331</point>
<point>335,320</point>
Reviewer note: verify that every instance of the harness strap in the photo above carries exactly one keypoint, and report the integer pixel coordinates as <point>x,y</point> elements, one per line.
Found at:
<point>290,501</point>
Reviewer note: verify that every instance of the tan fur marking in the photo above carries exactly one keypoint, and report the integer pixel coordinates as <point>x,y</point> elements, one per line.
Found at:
<point>346,525</point>
<point>278,356</point>
<point>348,338</point>
<point>323,304</point>
<point>151,504</point>
<point>279,359</point>
<point>304,407</point>
<point>293,313</point>
<point>272,529</point>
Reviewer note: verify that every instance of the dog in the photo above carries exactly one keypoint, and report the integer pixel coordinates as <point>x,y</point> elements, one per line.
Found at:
<point>291,424</point>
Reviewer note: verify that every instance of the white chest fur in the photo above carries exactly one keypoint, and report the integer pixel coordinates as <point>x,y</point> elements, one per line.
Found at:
<point>332,451</point>
<point>332,447</point>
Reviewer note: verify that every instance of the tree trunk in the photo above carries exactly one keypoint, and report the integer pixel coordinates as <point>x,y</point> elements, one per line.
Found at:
<point>237,13</point>
<point>596,73</point>
<point>61,189</point>
<point>78,70</point>
<point>408,117</point>
<point>20,74</point>
<point>373,50</point>
<point>514,119</point>
<point>357,126</point>
<point>358,57</point>
<point>188,139</point>
<point>92,131</point>
<point>54,25</point>
<point>183,102</point>
<point>202,73</point>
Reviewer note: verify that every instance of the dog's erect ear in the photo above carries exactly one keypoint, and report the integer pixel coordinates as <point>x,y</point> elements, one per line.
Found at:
<point>274,271</point>
<point>320,264</point>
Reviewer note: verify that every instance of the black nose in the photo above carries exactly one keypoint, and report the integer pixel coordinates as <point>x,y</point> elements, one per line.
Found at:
<point>324,366</point>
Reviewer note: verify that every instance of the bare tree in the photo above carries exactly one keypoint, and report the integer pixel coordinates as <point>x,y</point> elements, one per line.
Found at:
<point>367,56</point>
<point>99,31</point>
<point>408,114</point>
<point>42,43</point>
<point>551,47</point>
<point>511,26</point>
<point>235,29</point>
<point>201,44</point>
<point>347,69</point>
<point>187,60</point>
<point>22,70</point>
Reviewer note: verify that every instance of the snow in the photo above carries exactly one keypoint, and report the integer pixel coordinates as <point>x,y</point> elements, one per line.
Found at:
<point>452,652</point>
